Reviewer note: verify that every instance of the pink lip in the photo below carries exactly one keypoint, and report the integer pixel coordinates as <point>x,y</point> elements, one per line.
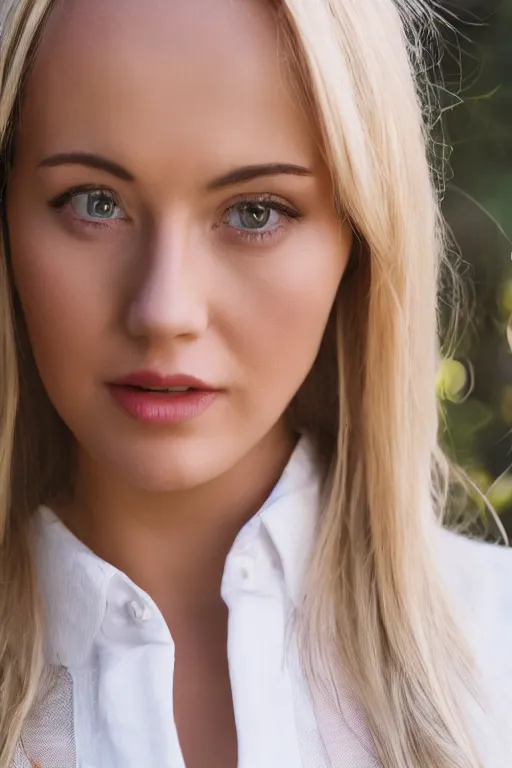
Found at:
<point>152,379</point>
<point>162,407</point>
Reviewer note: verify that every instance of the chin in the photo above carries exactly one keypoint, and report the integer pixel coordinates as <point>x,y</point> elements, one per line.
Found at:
<point>177,466</point>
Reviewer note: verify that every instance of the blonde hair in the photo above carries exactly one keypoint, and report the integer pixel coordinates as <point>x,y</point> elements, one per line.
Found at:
<point>374,605</point>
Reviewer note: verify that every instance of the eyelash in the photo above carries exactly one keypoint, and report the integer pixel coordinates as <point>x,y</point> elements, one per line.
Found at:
<point>287,211</point>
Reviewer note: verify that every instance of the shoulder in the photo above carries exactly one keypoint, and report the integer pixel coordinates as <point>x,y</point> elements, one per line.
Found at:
<point>478,580</point>
<point>478,575</point>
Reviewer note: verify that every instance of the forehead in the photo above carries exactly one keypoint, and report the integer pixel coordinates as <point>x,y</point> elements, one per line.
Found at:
<point>146,77</point>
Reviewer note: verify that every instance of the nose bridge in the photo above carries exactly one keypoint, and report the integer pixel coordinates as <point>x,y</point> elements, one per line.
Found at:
<point>168,298</point>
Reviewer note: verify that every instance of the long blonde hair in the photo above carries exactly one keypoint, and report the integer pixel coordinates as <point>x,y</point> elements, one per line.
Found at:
<point>374,605</point>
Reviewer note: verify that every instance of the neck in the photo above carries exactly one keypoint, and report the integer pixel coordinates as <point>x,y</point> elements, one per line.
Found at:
<point>174,545</point>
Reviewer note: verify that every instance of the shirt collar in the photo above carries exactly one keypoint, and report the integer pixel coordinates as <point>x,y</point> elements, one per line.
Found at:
<point>290,515</point>
<point>73,581</point>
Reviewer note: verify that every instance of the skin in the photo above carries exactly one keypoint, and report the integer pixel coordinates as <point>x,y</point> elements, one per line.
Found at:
<point>178,95</point>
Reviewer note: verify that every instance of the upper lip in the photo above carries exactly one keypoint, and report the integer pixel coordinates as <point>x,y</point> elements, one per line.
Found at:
<point>151,379</point>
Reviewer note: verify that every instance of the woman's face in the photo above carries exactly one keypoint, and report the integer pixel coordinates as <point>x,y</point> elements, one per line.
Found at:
<point>170,214</point>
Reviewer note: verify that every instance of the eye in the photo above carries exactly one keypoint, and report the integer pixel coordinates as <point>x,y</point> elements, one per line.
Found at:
<point>255,217</point>
<point>96,205</point>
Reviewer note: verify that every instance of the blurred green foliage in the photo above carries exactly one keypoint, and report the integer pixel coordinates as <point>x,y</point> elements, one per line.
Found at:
<point>475,388</point>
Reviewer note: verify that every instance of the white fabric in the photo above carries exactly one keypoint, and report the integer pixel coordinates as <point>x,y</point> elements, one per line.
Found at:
<point>479,581</point>
<point>48,735</point>
<point>118,653</point>
<point>109,702</point>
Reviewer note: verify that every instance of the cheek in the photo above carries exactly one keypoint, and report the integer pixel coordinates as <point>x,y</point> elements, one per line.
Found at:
<point>281,327</point>
<point>62,309</point>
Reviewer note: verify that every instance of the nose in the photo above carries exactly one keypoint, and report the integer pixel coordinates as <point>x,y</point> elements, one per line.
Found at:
<point>169,300</point>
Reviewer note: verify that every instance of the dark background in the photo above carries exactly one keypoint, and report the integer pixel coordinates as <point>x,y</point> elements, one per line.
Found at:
<point>475,393</point>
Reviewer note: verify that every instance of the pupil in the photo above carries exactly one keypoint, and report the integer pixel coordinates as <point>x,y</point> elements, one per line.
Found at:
<point>255,216</point>
<point>100,206</point>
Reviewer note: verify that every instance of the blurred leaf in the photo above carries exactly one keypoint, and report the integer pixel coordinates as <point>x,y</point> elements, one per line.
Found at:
<point>452,381</point>
<point>500,494</point>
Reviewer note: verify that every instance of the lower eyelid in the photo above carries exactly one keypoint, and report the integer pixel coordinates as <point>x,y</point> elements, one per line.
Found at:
<point>256,238</point>
<point>77,222</point>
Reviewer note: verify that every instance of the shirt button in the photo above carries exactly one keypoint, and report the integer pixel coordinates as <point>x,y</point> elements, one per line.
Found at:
<point>245,567</point>
<point>139,611</point>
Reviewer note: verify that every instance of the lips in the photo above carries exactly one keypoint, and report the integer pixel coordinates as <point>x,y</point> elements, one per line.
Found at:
<point>156,382</point>
<point>156,399</point>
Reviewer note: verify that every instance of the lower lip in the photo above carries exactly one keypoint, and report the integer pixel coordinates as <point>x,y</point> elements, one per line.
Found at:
<point>162,407</point>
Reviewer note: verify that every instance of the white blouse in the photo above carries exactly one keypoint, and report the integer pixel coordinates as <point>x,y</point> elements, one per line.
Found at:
<point>107,699</point>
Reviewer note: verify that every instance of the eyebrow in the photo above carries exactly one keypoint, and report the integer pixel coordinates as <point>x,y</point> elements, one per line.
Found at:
<point>237,176</point>
<point>90,161</point>
<point>250,172</point>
